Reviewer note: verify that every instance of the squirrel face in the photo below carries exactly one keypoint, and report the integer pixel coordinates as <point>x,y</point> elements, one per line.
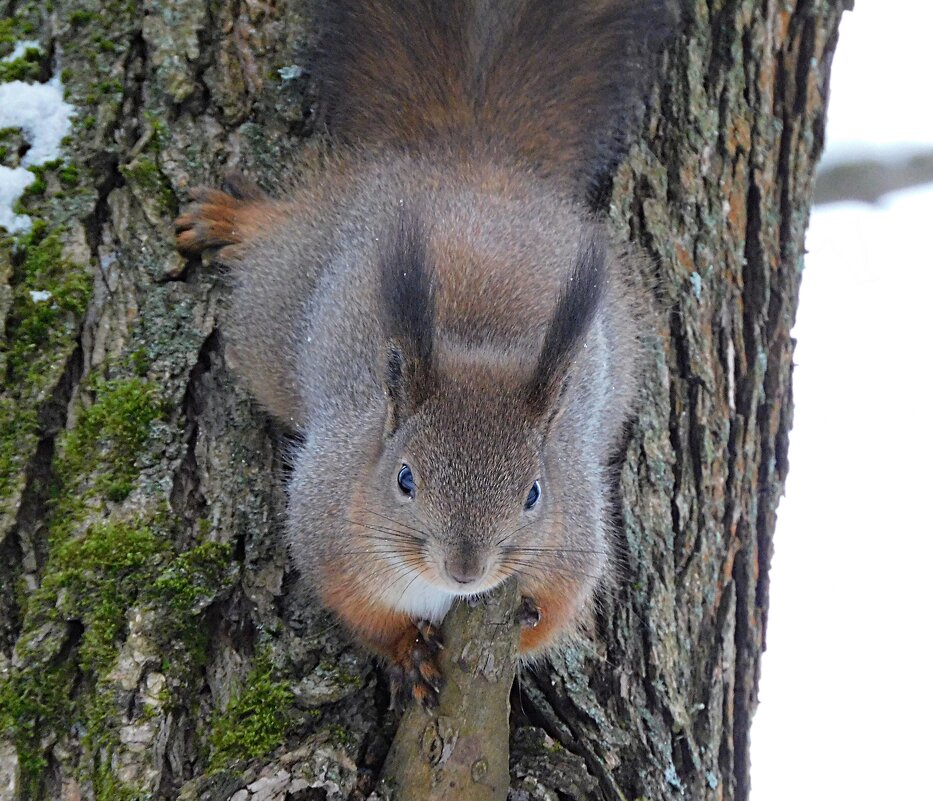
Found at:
<point>464,474</point>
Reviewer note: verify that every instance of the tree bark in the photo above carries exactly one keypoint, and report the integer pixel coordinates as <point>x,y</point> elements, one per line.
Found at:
<point>151,642</point>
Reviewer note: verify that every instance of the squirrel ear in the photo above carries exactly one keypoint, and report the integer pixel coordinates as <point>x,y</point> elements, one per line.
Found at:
<point>579,300</point>
<point>407,304</point>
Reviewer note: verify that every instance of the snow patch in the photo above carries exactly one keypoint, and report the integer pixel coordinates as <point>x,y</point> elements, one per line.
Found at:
<point>12,184</point>
<point>39,295</point>
<point>20,50</point>
<point>290,73</point>
<point>40,111</point>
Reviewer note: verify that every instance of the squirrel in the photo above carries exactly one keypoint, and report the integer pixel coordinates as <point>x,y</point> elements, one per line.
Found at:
<point>438,312</point>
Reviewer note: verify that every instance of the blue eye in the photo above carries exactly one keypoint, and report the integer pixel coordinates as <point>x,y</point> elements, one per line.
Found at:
<point>406,481</point>
<point>533,494</point>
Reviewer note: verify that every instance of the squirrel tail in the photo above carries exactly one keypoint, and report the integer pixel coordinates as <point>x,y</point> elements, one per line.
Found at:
<point>555,84</point>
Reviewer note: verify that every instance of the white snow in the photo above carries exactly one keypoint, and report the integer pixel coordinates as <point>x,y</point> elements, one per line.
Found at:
<point>40,111</point>
<point>12,184</point>
<point>880,90</point>
<point>846,695</point>
<point>39,295</point>
<point>290,73</point>
<point>19,50</point>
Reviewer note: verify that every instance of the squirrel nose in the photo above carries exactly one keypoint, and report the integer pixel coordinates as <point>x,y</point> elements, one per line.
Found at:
<point>465,570</point>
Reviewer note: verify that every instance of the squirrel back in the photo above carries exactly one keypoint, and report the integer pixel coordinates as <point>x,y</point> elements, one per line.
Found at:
<point>554,85</point>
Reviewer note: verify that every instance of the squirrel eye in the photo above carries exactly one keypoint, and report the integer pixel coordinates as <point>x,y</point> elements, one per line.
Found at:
<point>406,481</point>
<point>533,494</point>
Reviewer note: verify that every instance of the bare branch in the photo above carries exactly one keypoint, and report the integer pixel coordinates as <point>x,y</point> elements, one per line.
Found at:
<point>460,751</point>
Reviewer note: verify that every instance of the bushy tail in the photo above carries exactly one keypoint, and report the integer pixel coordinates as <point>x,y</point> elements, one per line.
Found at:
<point>556,83</point>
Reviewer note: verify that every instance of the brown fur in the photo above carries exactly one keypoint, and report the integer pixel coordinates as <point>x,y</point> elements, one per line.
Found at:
<point>437,294</point>
<point>557,84</point>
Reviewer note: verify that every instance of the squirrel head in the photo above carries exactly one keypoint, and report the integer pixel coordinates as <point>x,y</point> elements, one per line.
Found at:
<point>461,477</point>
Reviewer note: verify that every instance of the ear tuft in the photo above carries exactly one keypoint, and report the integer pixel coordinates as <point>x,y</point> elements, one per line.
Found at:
<point>407,301</point>
<point>577,305</point>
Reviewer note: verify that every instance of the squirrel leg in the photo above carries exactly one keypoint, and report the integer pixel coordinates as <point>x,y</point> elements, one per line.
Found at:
<point>547,611</point>
<point>410,647</point>
<point>413,671</point>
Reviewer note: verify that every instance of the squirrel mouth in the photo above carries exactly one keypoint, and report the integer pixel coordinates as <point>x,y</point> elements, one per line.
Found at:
<point>489,580</point>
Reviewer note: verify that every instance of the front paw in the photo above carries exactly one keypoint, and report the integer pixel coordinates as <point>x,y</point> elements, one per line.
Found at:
<point>529,613</point>
<point>414,672</point>
<point>213,220</point>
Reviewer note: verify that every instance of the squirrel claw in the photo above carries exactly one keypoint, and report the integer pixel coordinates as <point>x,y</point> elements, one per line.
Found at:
<point>414,672</point>
<point>529,613</point>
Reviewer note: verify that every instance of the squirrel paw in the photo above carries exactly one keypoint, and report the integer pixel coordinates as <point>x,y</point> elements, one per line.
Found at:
<point>529,613</point>
<point>212,220</point>
<point>414,672</point>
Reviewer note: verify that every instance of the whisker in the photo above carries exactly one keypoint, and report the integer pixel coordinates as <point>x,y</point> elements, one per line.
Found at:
<point>522,549</point>
<point>398,522</point>
<point>383,529</point>
<point>513,533</point>
<point>418,571</point>
<point>543,571</point>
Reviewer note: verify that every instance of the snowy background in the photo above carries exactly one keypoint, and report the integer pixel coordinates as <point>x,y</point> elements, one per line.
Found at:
<point>847,680</point>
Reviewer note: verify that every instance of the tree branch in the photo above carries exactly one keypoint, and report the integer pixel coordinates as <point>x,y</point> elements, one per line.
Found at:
<point>460,751</point>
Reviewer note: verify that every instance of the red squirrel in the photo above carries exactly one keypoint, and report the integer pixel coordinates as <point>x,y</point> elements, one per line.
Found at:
<point>436,309</point>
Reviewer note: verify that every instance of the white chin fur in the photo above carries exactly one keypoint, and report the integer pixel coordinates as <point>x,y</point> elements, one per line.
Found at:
<point>420,599</point>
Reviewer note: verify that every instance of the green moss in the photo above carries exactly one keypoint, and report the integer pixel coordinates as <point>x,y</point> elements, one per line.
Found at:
<point>95,574</point>
<point>159,129</point>
<point>25,68</point>
<point>339,676</point>
<point>17,431</point>
<point>255,721</point>
<point>108,87</point>
<point>340,736</point>
<point>184,590</point>
<point>105,45</point>
<point>97,578</point>
<point>80,17</point>
<point>145,174</point>
<point>13,29</point>
<point>139,361</point>
<point>30,703</point>
<point>41,332</point>
<point>68,175</point>
<point>110,433</point>
<point>193,578</point>
<point>38,328</point>
<point>37,187</point>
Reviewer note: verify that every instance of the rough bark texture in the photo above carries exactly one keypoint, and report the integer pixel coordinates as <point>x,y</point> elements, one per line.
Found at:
<point>150,644</point>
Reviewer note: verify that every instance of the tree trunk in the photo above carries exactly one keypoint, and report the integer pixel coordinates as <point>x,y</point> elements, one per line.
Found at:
<point>151,645</point>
